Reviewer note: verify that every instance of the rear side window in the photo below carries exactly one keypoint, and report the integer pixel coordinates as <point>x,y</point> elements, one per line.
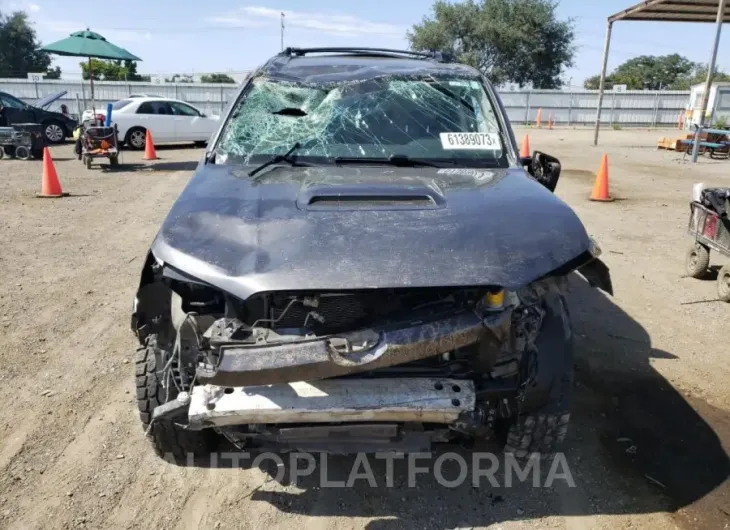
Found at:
<point>154,107</point>
<point>121,104</point>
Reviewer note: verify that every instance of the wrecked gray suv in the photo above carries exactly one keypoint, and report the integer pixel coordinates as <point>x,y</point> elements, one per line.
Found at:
<point>362,262</point>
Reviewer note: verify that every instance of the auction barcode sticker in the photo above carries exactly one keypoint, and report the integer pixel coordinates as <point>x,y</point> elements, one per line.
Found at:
<point>471,140</point>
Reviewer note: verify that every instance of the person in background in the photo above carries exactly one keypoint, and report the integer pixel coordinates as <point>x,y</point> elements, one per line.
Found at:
<point>77,140</point>
<point>64,111</point>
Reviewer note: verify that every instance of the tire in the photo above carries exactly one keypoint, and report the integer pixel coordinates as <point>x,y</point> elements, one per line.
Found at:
<point>167,439</point>
<point>201,144</point>
<point>54,132</point>
<point>2,153</point>
<point>135,138</point>
<point>537,433</point>
<point>22,153</point>
<point>540,429</point>
<point>723,284</point>
<point>697,260</point>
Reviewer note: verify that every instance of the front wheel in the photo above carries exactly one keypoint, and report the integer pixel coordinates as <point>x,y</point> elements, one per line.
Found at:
<point>166,437</point>
<point>548,376</point>
<point>136,138</point>
<point>54,132</point>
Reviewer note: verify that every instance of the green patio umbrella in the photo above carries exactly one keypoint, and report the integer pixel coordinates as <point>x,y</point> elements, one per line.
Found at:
<point>92,45</point>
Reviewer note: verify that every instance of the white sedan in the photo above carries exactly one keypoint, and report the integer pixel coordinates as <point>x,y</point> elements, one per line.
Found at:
<point>169,120</point>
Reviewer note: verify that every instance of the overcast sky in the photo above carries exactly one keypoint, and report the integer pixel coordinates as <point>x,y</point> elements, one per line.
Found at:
<point>176,36</point>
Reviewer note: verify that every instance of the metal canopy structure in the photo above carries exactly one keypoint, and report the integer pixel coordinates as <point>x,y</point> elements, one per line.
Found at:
<point>669,11</point>
<point>672,11</point>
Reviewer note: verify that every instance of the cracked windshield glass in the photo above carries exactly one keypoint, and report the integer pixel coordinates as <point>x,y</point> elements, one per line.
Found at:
<point>450,120</point>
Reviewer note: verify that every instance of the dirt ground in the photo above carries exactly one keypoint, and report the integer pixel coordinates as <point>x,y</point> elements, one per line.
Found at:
<point>649,438</point>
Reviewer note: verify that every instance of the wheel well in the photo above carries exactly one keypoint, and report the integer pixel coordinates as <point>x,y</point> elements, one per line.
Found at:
<point>48,121</point>
<point>152,305</point>
<point>134,128</point>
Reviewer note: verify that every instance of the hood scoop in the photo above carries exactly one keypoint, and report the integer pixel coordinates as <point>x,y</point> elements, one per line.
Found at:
<point>340,197</point>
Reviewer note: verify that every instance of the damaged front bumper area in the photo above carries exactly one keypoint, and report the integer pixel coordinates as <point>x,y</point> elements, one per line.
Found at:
<point>340,355</point>
<point>381,369</point>
<point>401,400</point>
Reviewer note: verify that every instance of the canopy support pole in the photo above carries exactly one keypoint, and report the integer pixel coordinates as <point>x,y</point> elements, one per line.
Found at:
<point>91,82</point>
<point>602,86</point>
<point>708,83</point>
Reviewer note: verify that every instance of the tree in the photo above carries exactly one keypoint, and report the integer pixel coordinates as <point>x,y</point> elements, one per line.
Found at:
<point>53,73</point>
<point>112,70</point>
<point>216,78</point>
<point>699,76</point>
<point>19,48</point>
<point>517,41</point>
<point>132,75</point>
<point>648,72</point>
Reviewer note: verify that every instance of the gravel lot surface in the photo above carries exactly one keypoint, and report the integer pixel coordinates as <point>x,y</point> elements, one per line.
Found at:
<point>649,438</point>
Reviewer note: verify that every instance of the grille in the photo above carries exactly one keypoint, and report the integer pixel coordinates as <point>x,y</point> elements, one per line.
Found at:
<point>334,313</point>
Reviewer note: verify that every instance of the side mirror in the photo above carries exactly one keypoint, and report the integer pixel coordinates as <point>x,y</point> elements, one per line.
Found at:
<point>543,168</point>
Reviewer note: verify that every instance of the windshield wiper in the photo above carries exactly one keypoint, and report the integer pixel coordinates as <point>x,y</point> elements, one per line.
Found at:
<point>392,160</point>
<point>286,157</point>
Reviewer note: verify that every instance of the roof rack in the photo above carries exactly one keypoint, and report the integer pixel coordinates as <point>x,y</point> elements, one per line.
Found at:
<point>371,52</point>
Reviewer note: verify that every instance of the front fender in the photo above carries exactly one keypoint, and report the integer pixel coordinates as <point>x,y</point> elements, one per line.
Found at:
<point>597,274</point>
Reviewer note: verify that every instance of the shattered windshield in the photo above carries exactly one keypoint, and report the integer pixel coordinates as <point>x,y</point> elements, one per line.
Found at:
<point>430,118</point>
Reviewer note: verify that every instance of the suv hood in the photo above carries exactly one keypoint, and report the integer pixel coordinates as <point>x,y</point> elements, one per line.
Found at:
<point>343,228</point>
<point>46,101</point>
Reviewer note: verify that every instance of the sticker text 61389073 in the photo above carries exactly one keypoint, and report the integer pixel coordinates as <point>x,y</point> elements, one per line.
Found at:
<point>471,141</point>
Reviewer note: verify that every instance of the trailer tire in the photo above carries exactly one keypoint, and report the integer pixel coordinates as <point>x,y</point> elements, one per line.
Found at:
<point>723,284</point>
<point>697,260</point>
<point>22,153</point>
<point>168,440</point>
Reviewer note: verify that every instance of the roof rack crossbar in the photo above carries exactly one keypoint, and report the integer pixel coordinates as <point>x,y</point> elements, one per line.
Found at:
<point>386,52</point>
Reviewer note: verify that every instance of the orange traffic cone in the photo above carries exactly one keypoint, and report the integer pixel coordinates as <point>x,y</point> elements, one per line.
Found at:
<point>538,121</point>
<point>50,186</point>
<point>600,188</point>
<point>525,151</point>
<point>149,147</point>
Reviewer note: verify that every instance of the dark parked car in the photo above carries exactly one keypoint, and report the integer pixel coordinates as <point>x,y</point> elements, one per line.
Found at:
<point>361,262</point>
<point>56,126</point>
